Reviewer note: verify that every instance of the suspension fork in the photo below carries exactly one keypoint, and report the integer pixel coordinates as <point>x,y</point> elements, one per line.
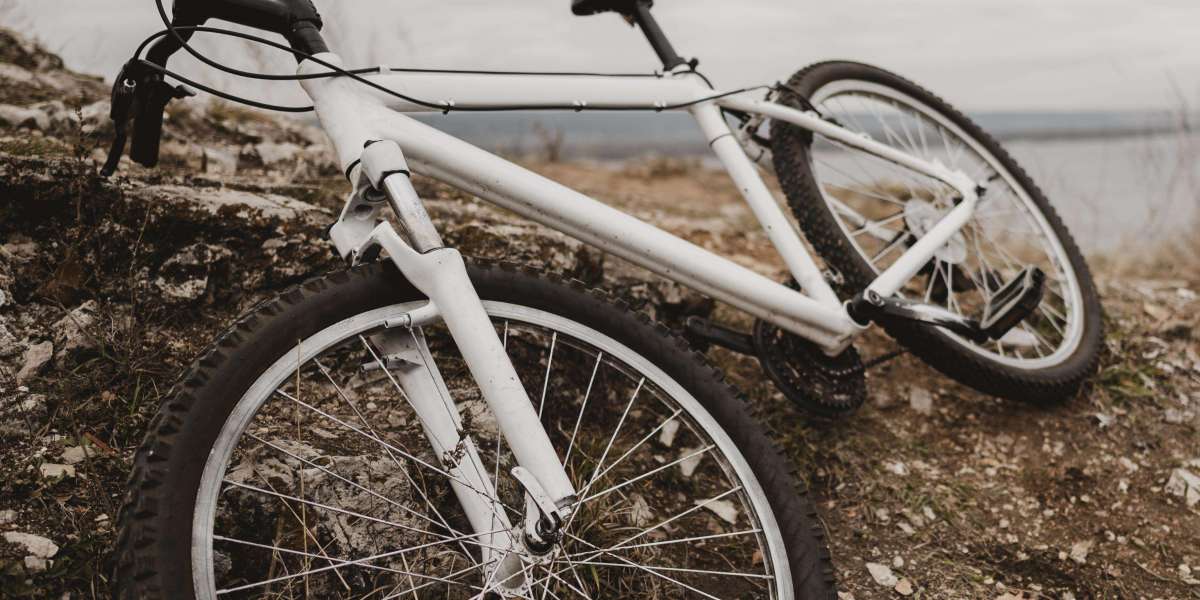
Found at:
<point>440,273</point>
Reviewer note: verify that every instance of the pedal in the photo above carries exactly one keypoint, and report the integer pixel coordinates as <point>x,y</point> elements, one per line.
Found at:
<point>1010,305</point>
<point>724,337</point>
<point>870,307</point>
<point>1014,302</point>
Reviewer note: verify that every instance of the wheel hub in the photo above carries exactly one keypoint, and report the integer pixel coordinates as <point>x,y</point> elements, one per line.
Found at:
<point>920,216</point>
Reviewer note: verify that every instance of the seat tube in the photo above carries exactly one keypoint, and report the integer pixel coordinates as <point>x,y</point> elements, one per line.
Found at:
<point>762,202</point>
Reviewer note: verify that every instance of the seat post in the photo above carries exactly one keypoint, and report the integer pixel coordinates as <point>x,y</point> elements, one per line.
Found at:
<point>654,33</point>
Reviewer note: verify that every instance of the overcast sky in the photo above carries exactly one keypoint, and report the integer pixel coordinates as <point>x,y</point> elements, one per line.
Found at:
<point>980,54</point>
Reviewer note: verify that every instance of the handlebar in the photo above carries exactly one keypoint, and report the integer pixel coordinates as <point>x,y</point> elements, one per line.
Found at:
<point>141,95</point>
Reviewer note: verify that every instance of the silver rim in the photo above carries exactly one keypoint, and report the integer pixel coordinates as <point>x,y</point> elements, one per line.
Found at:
<point>882,207</point>
<point>325,487</point>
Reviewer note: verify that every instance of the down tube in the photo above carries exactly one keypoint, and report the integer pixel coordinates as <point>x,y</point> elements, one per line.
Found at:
<point>539,199</point>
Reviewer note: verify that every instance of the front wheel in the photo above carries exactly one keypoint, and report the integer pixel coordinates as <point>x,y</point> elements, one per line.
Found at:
<point>862,212</point>
<point>288,464</point>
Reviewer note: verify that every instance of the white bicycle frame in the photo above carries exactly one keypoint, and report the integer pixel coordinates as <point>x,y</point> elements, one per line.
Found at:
<point>354,116</point>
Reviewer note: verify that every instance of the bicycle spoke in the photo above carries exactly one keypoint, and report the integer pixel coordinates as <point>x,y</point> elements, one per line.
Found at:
<point>356,505</point>
<point>640,442</point>
<point>546,379</point>
<point>673,569</point>
<point>421,491</point>
<point>579,419</point>
<point>644,475</point>
<point>340,565</point>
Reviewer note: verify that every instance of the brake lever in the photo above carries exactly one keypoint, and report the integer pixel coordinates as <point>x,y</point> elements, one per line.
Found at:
<point>124,94</point>
<point>139,95</point>
<point>154,97</point>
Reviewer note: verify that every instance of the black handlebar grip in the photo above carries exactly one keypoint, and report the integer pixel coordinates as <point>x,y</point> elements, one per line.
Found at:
<point>296,20</point>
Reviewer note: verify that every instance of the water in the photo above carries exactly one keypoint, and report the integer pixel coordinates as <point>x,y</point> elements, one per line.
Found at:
<point>1117,179</point>
<point>1119,193</point>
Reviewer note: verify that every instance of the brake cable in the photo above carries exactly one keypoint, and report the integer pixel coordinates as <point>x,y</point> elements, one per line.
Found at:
<point>356,75</point>
<point>130,101</point>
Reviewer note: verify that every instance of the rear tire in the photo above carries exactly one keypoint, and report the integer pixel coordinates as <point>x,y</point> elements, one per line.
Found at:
<point>155,543</point>
<point>795,162</point>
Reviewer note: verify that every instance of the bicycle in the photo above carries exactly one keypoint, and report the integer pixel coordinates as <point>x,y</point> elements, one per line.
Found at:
<point>424,426</point>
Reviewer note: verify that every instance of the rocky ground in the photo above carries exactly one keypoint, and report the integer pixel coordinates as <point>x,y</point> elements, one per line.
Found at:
<point>108,288</point>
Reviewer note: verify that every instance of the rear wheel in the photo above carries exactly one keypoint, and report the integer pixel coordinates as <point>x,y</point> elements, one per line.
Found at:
<point>288,463</point>
<point>862,212</point>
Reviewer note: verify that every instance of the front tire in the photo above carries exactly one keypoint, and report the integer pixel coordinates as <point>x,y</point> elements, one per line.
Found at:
<point>158,548</point>
<point>860,213</point>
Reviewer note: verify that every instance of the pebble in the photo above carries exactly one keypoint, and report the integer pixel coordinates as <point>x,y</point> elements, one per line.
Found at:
<point>74,455</point>
<point>882,574</point>
<point>722,508</point>
<point>904,587</point>
<point>689,464</point>
<point>54,471</point>
<point>36,564</point>
<point>667,436</point>
<point>36,545</point>
<point>921,400</point>
<point>1080,550</point>
<point>1186,485</point>
<point>36,357</point>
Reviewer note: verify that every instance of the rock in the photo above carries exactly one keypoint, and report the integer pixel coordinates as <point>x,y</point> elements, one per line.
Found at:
<point>7,516</point>
<point>921,400</point>
<point>667,436</point>
<point>1080,550</point>
<point>882,574</point>
<point>897,468</point>
<point>1185,484</point>
<point>904,587</point>
<point>640,514</point>
<point>20,249</point>
<point>21,116</point>
<point>54,471</point>
<point>689,465</point>
<point>1128,464</point>
<point>272,154</point>
<point>36,564</point>
<point>218,161</point>
<point>24,52</point>
<point>74,332</point>
<point>929,514</point>
<point>1175,416</point>
<point>33,403</point>
<point>722,508</point>
<point>75,455</point>
<point>36,545</point>
<point>9,345</point>
<point>36,357</point>
<point>213,200</point>
<point>184,277</point>
<point>1156,312</point>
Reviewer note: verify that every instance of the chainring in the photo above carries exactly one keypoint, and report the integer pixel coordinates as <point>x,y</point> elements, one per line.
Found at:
<point>828,386</point>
